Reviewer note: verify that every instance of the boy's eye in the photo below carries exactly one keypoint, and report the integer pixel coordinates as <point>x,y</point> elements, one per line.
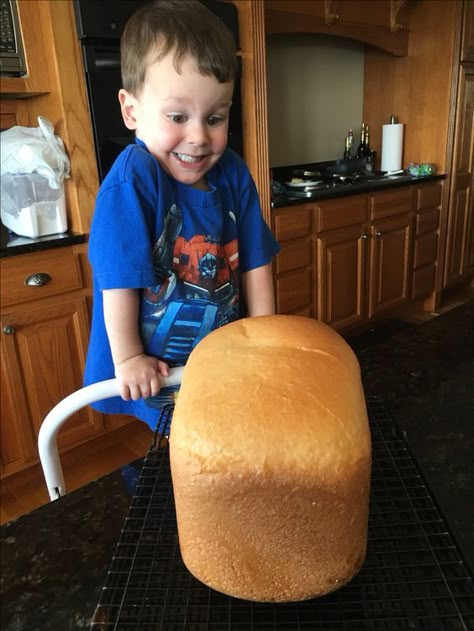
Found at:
<point>213,121</point>
<point>177,118</point>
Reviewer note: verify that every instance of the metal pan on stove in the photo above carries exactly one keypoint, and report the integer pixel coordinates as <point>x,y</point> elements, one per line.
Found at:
<point>306,173</point>
<point>305,184</point>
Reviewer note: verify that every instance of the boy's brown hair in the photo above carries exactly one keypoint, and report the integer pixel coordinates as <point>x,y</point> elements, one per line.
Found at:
<point>186,27</point>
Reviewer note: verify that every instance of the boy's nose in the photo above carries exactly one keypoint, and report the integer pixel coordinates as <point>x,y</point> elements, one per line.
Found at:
<point>198,134</point>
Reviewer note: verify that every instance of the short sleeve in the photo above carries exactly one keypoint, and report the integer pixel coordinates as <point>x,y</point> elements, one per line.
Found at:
<point>257,245</point>
<point>124,225</point>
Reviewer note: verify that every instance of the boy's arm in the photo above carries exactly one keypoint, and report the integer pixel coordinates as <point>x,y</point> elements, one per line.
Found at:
<point>257,285</point>
<point>137,373</point>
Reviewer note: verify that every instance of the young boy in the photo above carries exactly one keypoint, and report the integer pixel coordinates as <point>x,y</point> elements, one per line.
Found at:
<point>177,241</point>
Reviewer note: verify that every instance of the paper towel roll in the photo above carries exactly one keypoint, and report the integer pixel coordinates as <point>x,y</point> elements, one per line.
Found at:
<point>392,145</point>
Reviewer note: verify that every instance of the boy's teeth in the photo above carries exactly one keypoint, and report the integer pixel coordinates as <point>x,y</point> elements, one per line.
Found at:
<point>185,158</point>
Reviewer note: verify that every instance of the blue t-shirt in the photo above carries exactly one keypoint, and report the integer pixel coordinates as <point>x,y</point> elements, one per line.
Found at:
<point>183,248</point>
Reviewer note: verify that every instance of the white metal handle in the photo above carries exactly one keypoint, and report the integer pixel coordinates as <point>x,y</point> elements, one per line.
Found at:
<point>47,438</point>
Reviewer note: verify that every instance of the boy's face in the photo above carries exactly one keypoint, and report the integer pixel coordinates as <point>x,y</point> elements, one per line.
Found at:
<point>182,118</point>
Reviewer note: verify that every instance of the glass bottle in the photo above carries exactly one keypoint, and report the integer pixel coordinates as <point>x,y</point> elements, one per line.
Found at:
<point>351,147</point>
<point>347,149</point>
<point>361,148</point>
<point>367,150</point>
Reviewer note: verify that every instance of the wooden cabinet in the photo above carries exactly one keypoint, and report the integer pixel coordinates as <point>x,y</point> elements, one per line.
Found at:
<point>348,260</point>
<point>381,23</point>
<point>459,257</point>
<point>390,258</point>
<point>13,112</point>
<point>390,254</point>
<point>426,239</point>
<point>363,256</point>
<point>433,96</point>
<point>342,256</point>
<point>45,332</point>
<point>342,260</point>
<point>294,265</point>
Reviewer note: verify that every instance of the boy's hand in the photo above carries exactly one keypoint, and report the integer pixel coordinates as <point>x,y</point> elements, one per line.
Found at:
<point>139,376</point>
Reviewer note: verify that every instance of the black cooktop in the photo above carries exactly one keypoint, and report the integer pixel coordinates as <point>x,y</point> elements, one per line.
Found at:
<point>414,576</point>
<point>296,183</point>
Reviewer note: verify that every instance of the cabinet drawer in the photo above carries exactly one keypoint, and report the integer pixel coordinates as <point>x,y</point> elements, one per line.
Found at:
<point>293,291</point>
<point>393,202</point>
<point>426,249</point>
<point>342,212</point>
<point>427,221</point>
<point>429,196</point>
<point>293,254</point>
<point>294,223</point>
<point>60,272</point>
<point>423,281</point>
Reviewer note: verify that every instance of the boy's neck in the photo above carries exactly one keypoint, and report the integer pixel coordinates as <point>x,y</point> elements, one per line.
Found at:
<point>202,185</point>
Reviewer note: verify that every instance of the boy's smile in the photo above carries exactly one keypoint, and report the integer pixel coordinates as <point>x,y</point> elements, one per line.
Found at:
<point>182,117</point>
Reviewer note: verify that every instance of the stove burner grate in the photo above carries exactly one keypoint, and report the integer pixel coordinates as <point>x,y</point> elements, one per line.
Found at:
<point>413,578</point>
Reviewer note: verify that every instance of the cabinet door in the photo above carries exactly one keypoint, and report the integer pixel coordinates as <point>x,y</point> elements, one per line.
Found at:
<point>390,263</point>
<point>459,246</point>
<point>467,44</point>
<point>13,112</point>
<point>43,360</point>
<point>341,275</point>
<point>294,291</point>
<point>17,444</point>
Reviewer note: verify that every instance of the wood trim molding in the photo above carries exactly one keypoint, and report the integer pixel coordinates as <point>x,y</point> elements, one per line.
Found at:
<point>395,8</point>
<point>254,97</point>
<point>330,11</point>
<point>14,112</point>
<point>436,300</point>
<point>67,108</point>
<point>327,17</point>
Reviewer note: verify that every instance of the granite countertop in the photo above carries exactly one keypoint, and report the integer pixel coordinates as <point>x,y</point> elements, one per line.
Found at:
<point>54,560</point>
<point>347,190</point>
<point>12,244</point>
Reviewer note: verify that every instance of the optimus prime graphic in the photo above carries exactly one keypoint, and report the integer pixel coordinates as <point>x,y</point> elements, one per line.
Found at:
<point>197,291</point>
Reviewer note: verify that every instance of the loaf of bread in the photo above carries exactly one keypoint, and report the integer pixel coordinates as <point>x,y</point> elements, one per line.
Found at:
<point>270,460</point>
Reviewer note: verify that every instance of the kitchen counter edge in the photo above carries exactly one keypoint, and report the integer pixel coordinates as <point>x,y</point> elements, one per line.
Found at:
<point>12,245</point>
<point>356,189</point>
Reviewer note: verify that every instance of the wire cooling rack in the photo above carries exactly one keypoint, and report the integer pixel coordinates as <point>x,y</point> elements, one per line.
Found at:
<point>414,577</point>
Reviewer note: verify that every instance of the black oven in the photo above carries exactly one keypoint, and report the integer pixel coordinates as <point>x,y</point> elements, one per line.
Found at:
<point>99,26</point>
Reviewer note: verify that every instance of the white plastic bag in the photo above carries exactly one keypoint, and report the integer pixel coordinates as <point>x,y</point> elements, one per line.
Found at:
<point>34,150</point>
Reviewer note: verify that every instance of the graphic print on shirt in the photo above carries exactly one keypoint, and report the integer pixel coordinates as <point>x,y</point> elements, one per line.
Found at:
<point>197,290</point>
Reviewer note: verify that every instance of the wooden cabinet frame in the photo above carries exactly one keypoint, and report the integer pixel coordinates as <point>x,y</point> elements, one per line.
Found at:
<point>390,264</point>
<point>44,340</point>
<point>342,271</point>
<point>381,23</point>
<point>362,263</point>
<point>459,252</point>
<point>43,355</point>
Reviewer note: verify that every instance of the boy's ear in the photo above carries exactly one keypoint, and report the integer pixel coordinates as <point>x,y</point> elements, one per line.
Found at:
<point>128,105</point>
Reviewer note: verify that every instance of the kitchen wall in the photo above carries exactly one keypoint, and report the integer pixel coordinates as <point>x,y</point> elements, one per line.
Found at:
<point>315,86</point>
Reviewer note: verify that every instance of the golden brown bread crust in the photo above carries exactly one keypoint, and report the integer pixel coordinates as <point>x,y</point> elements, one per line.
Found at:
<point>270,458</point>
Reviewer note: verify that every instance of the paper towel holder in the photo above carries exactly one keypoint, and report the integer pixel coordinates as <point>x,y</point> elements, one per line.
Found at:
<point>393,120</point>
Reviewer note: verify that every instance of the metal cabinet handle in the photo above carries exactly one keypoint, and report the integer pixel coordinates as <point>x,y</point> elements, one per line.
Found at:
<point>364,236</point>
<point>378,234</point>
<point>38,280</point>
<point>8,330</point>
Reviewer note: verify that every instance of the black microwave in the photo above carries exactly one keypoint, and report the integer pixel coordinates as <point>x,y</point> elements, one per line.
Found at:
<point>12,55</point>
<point>100,24</point>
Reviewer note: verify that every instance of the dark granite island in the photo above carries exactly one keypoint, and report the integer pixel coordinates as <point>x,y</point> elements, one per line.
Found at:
<point>54,560</point>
